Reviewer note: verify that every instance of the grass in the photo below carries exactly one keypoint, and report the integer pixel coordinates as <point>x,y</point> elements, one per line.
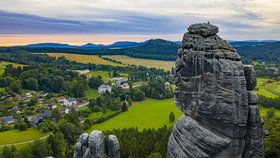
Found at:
<point>106,75</point>
<point>94,59</point>
<point>16,136</point>
<point>91,93</point>
<point>263,111</point>
<point>266,89</point>
<point>150,113</point>
<point>96,115</point>
<point>166,65</point>
<point>3,65</point>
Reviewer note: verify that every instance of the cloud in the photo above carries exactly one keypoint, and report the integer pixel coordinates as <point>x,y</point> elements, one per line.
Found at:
<point>125,23</point>
<point>123,17</point>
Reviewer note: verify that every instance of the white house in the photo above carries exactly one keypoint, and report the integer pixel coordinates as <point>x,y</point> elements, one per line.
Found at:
<point>103,88</point>
<point>83,71</point>
<point>70,102</point>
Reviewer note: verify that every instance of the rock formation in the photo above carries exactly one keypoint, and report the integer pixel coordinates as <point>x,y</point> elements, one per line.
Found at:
<point>95,145</point>
<point>215,91</point>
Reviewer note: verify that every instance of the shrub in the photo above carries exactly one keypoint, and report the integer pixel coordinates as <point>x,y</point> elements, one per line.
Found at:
<point>171,117</point>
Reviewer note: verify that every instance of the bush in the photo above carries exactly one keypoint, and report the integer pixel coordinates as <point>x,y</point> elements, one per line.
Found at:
<point>124,106</point>
<point>138,95</point>
<point>102,119</point>
<point>96,109</point>
<point>171,117</point>
<point>22,126</point>
<point>46,126</point>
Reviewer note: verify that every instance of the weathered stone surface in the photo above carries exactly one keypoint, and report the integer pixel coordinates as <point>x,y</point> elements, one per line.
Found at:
<point>84,139</point>
<point>211,89</point>
<point>94,145</point>
<point>252,98</point>
<point>96,142</point>
<point>189,135</point>
<point>78,150</point>
<point>254,115</point>
<point>250,76</point>
<point>113,147</point>
<point>203,29</point>
<point>211,84</point>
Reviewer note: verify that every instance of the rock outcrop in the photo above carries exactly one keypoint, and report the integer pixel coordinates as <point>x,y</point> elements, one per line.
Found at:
<point>95,145</point>
<point>215,91</point>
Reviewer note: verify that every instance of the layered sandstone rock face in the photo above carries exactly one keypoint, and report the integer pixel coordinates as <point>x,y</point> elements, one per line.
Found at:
<point>95,145</point>
<point>214,90</point>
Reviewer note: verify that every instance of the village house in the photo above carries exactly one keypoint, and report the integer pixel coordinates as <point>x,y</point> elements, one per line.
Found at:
<point>103,88</point>
<point>10,120</point>
<point>70,102</point>
<point>83,71</point>
<point>125,86</point>
<point>40,118</point>
<point>67,109</point>
<point>60,99</point>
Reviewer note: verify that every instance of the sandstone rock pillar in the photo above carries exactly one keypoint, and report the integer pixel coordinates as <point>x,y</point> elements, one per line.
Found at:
<point>215,93</point>
<point>95,145</point>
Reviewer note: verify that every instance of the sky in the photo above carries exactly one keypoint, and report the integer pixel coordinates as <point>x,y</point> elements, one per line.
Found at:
<point>105,21</point>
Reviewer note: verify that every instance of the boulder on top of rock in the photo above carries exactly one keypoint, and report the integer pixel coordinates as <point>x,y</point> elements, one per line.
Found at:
<point>204,29</point>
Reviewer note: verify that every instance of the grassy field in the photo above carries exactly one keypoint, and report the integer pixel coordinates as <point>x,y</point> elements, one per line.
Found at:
<point>94,59</point>
<point>16,136</point>
<point>263,111</point>
<point>166,65</point>
<point>106,75</point>
<point>91,93</point>
<point>150,113</point>
<point>268,89</point>
<point>3,65</point>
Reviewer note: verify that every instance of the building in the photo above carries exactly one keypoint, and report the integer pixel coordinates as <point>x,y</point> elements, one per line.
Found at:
<point>69,102</point>
<point>40,118</point>
<point>83,71</point>
<point>60,99</point>
<point>103,88</point>
<point>10,120</point>
<point>67,109</point>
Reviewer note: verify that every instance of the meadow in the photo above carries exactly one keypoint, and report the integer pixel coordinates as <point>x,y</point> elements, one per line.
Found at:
<point>16,136</point>
<point>3,65</point>
<point>94,59</point>
<point>268,87</point>
<point>106,75</point>
<point>166,65</point>
<point>91,93</point>
<point>150,113</point>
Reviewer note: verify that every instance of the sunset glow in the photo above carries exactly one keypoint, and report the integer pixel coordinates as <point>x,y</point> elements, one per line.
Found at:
<point>81,21</point>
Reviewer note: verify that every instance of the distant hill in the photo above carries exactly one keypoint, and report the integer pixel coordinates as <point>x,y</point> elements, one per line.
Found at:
<point>156,49</point>
<point>116,45</point>
<point>261,51</point>
<point>50,45</point>
<point>267,50</point>
<point>91,46</point>
<point>125,44</point>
